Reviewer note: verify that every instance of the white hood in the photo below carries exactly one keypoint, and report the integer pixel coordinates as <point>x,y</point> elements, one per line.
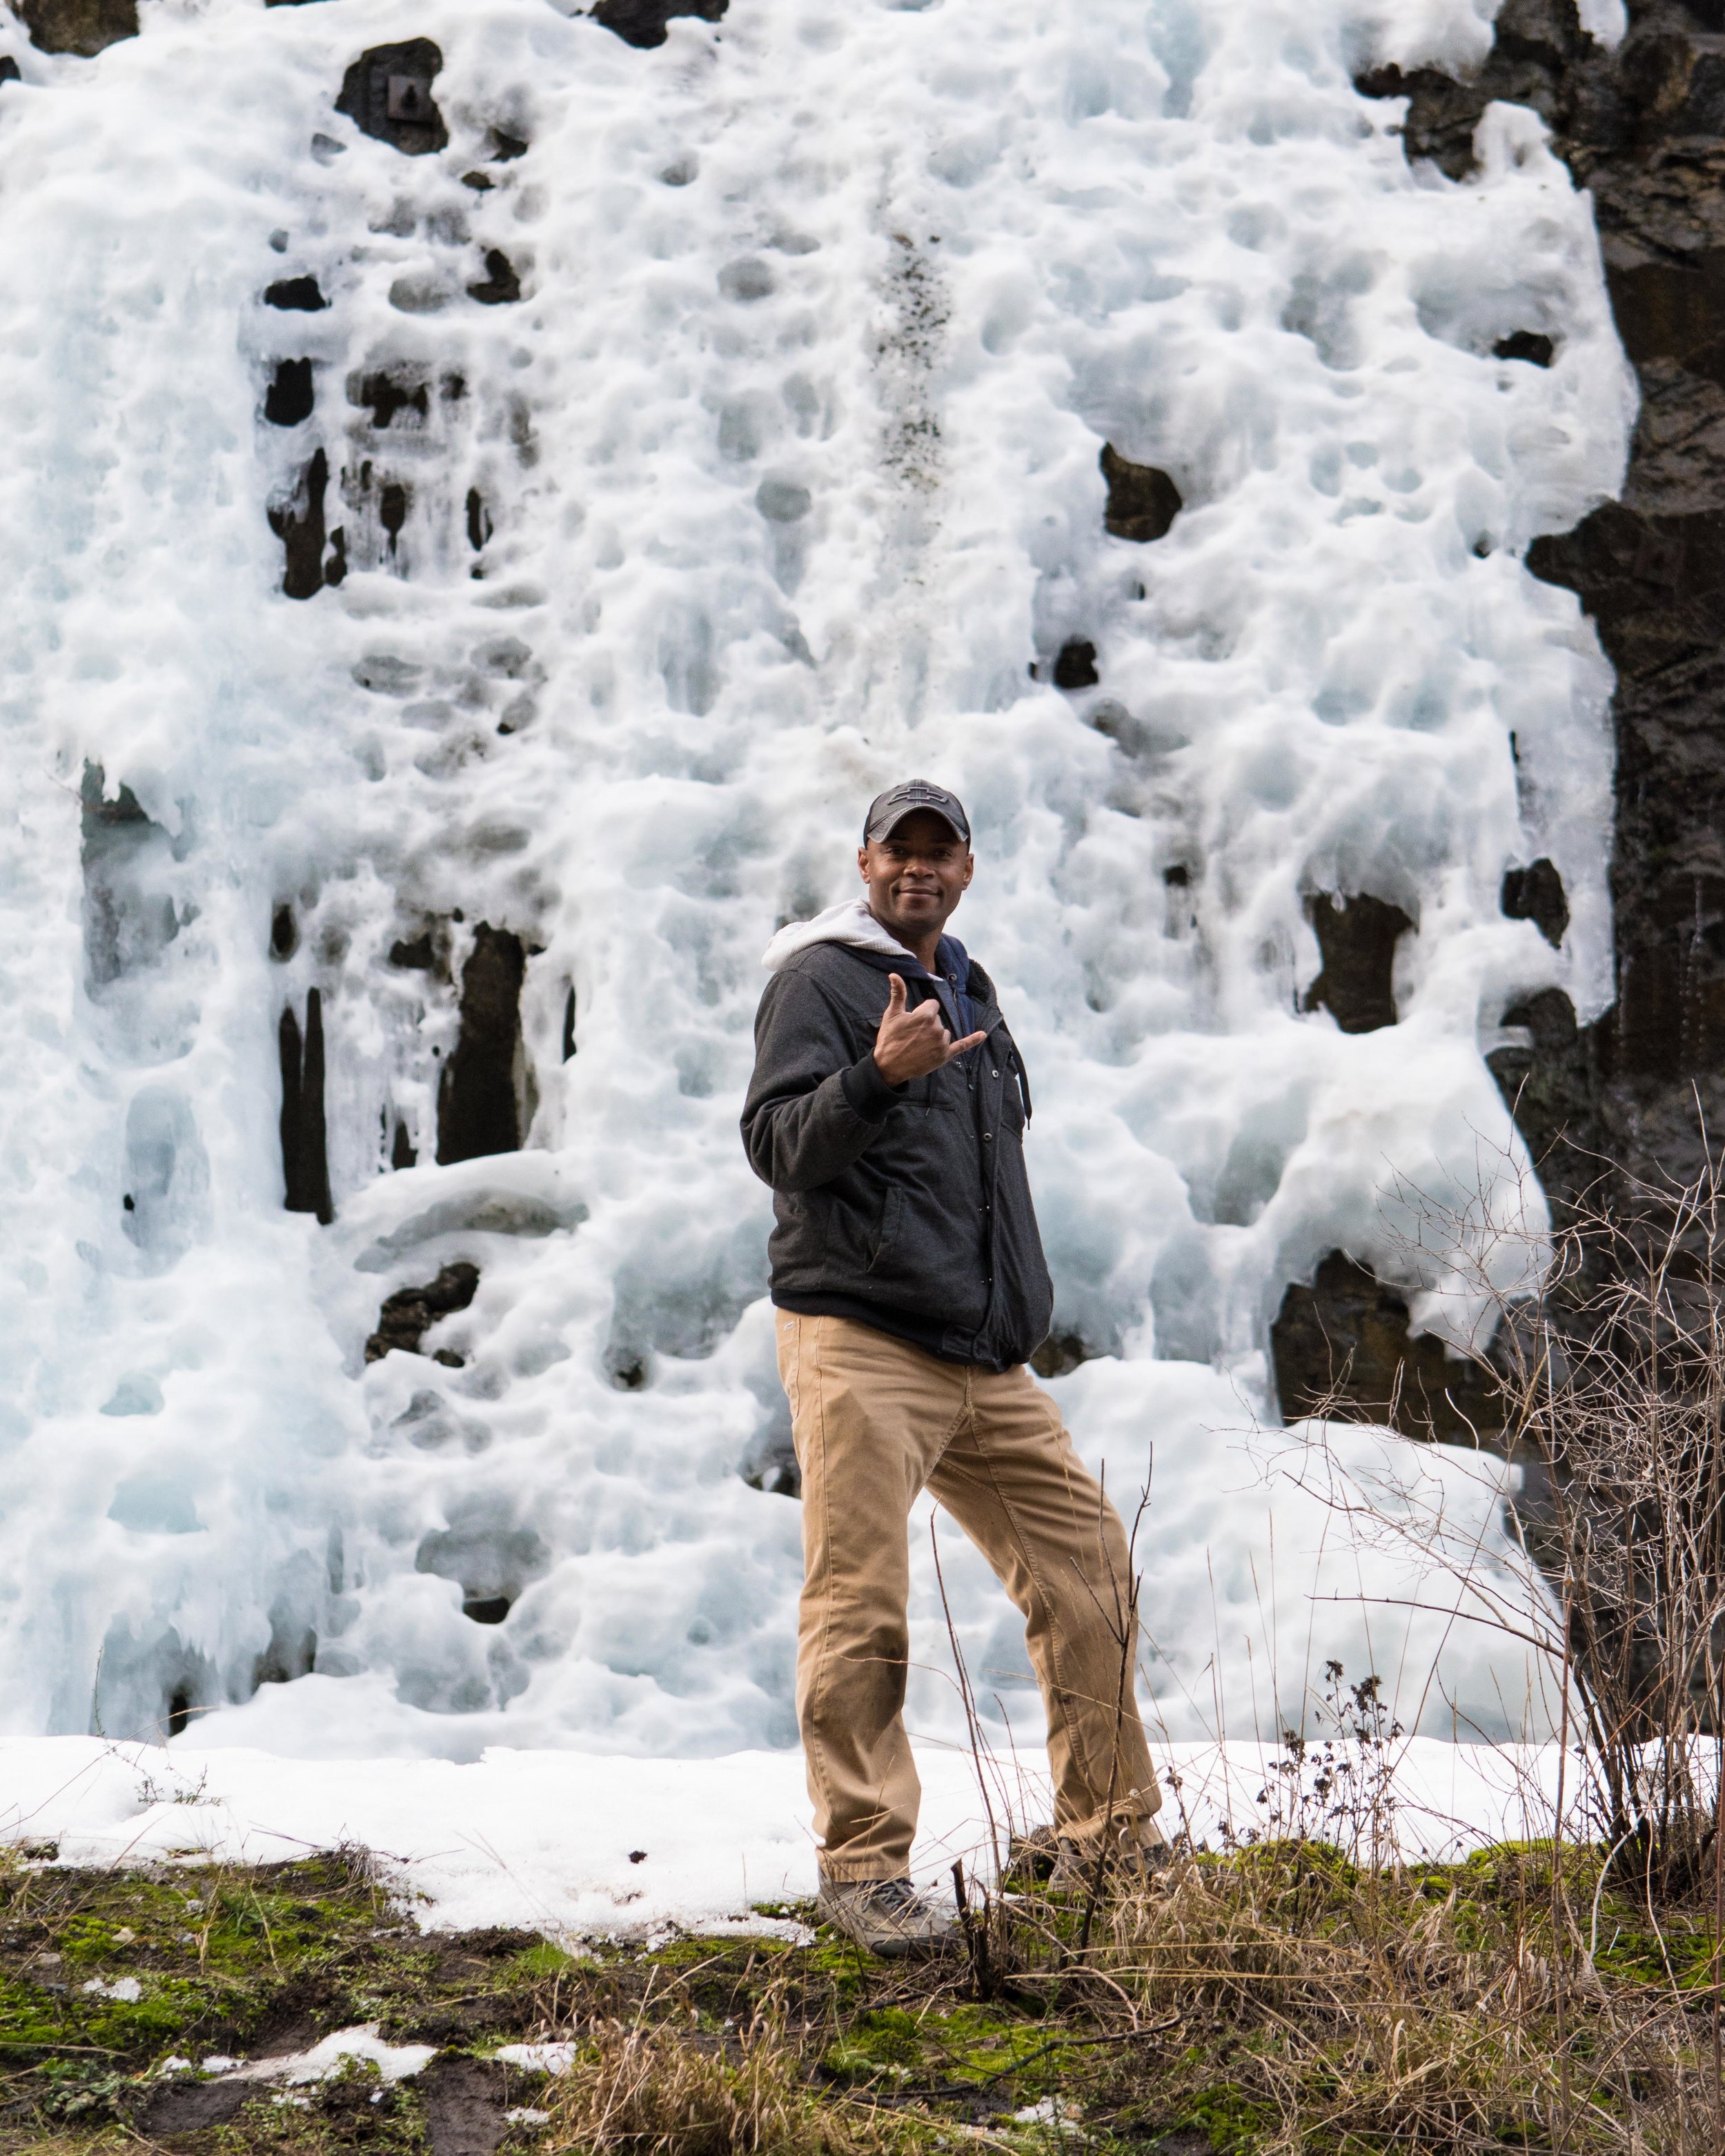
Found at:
<point>851,922</point>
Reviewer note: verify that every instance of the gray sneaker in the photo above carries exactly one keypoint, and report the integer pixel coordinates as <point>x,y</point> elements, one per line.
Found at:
<point>888,1917</point>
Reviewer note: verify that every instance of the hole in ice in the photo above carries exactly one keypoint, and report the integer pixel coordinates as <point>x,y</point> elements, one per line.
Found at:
<point>1075,665</point>
<point>1058,1353</point>
<point>166,1177</point>
<point>179,1713</point>
<point>393,509</point>
<point>501,285</point>
<point>1536,894</point>
<point>84,27</point>
<point>389,391</point>
<point>478,1211</point>
<point>298,522</point>
<point>291,1653</point>
<point>305,1160</point>
<point>154,1505</point>
<point>1357,937</point>
<point>430,1424</point>
<point>569,1024</point>
<point>480,527</point>
<point>284,935</point>
<point>627,1372</point>
<point>136,1393</point>
<point>746,278</point>
<point>481,1094</point>
<point>10,70</point>
<point>1318,310</point>
<point>130,917</point>
<point>403,1153</point>
<point>1142,500</point>
<point>680,174</point>
<point>288,399</point>
<point>507,659</point>
<point>642,22</point>
<point>1341,1346</point>
<point>408,1314</point>
<point>489,1557</point>
<point>782,500</point>
<point>487,1610</point>
<point>385,676</point>
<point>386,94</point>
<point>502,147</point>
<point>297,294</point>
<point>1532,346</point>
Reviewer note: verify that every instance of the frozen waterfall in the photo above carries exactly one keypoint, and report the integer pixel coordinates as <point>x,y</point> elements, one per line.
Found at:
<point>486,504</point>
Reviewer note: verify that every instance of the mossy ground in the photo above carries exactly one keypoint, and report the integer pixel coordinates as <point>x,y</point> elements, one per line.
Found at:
<point>1274,1998</point>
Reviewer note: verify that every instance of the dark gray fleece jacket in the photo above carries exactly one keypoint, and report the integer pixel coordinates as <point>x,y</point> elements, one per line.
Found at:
<point>905,1207</point>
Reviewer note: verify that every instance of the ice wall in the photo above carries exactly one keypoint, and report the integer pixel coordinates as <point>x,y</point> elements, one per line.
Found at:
<point>487,570</point>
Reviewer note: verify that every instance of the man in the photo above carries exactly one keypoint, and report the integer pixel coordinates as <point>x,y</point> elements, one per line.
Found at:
<point>887,1110</point>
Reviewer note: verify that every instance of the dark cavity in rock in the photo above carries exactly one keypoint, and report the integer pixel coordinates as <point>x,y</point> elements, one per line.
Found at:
<point>479,1098</point>
<point>84,27</point>
<point>1341,1347</point>
<point>1536,894</point>
<point>291,1653</point>
<point>401,1153</point>
<point>386,94</point>
<point>391,390</point>
<point>290,398</point>
<point>569,1024</point>
<point>1142,501</point>
<point>305,1160</point>
<point>1356,938</point>
<point>500,286</point>
<point>409,1313</point>
<point>641,22</point>
<point>393,509</point>
<point>502,147</point>
<point>417,956</point>
<point>1058,1353</point>
<point>1075,665</point>
<point>284,935</point>
<point>1532,345</point>
<point>295,296</point>
<point>299,523</point>
<point>478,520</point>
<point>10,70</point>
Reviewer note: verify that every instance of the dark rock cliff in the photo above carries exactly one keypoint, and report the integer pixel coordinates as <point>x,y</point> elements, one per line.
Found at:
<point>1641,127</point>
<point>1622,1104</point>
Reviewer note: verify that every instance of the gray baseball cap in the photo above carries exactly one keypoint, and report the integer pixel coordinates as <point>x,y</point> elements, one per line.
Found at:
<point>888,810</point>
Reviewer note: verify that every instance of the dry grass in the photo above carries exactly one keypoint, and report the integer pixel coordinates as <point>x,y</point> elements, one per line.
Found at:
<point>659,2090</point>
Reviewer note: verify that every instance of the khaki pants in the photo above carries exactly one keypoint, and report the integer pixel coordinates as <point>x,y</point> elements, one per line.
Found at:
<point>875,1421</point>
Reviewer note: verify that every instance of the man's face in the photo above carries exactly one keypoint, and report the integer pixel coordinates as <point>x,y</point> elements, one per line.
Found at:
<point>916,875</point>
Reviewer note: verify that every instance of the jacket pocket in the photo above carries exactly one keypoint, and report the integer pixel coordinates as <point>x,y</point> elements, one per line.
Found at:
<point>892,1208</point>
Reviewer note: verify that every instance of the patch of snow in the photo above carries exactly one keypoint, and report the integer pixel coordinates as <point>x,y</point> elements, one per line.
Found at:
<point>540,1840</point>
<point>395,2062</point>
<point>551,2058</point>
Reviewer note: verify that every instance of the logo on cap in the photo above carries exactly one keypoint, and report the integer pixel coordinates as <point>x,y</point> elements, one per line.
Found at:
<point>888,810</point>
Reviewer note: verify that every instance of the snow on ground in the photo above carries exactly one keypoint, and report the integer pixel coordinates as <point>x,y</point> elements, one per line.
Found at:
<point>573,1845</point>
<point>777,481</point>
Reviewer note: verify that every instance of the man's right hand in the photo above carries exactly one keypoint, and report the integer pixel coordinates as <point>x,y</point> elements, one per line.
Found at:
<point>911,1043</point>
